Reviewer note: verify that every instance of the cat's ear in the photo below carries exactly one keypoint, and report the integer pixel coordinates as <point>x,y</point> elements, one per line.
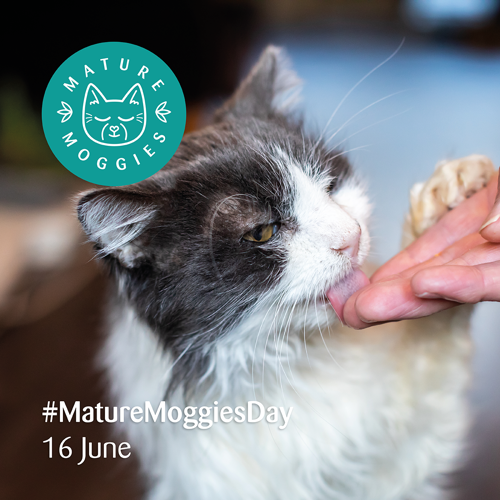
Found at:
<point>270,87</point>
<point>115,220</point>
<point>134,95</point>
<point>93,95</point>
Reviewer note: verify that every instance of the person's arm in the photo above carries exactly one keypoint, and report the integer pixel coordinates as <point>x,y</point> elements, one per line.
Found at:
<point>452,260</point>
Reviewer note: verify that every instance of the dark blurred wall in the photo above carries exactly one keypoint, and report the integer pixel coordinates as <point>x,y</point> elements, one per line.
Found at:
<point>203,41</point>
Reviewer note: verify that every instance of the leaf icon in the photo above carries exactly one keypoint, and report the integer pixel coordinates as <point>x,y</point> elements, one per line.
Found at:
<point>66,112</point>
<point>161,112</point>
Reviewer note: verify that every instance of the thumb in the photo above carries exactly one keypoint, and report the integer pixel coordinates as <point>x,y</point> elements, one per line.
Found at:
<point>491,228</point>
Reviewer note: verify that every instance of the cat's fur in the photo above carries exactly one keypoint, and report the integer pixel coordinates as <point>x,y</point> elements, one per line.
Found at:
<point>202,315</point>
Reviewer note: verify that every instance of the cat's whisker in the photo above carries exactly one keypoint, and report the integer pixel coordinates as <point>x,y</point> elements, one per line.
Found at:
<point>299,432</point>
<point>361,111</point>
<point>279,167</point>
<point>310,406</point>
<point>210,241</point>
<point>352,90</point>
<point>343,153</point>
<point>285,328</point>
<point>216,313</point>
<point>292,386</point>
<point>222,319</point>
<point>277,329</point>
<point>256,342</point>
<point>289,326</point>
<point>306,307</point>
<point>278,298</point>
<point>323,338</point>
<point>368,127</point>
<point>281,297</point>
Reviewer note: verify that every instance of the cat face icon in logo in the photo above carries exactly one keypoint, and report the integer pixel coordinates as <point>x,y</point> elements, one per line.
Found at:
<point>113,113</point>
<point>114,122</point>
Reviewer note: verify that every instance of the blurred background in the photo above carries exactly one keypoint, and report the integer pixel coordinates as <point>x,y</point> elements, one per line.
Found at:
<point>436,98</point>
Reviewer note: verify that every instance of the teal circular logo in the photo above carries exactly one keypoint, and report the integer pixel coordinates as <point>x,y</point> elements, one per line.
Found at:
<point>113,113</point>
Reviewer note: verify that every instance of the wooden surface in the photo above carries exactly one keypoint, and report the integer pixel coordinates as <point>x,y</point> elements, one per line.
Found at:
<point>53,360</point>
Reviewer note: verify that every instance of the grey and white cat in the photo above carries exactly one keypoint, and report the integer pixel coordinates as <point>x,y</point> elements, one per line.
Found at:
<point>114,122</point>
<point>223,261</point>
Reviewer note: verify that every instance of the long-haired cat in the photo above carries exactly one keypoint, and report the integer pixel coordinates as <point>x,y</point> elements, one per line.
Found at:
<point>223,263</point>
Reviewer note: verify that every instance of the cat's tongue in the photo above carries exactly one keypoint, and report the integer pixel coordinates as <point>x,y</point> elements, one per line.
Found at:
<point>339,294</point>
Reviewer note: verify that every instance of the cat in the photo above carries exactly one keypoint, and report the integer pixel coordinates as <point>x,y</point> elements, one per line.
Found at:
<point>114,122</point>
<point>227,263</point>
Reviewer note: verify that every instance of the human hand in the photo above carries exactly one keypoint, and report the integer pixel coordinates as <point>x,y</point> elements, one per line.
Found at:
<point>456,260</point>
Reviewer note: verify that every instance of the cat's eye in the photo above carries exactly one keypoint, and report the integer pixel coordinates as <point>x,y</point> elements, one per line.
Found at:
<point>125,119</point>
<point>263,233</point>
<point>102,119</point>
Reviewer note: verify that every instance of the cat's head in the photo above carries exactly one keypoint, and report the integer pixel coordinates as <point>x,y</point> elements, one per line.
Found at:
<point>250,211</point>
<point>114,122</point>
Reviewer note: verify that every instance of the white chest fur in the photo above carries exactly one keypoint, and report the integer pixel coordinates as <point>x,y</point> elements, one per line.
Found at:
<point>375,416</point>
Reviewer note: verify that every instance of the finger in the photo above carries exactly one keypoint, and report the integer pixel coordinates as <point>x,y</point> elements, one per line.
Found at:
<point>459,222</point>
<point>469,251</point>
<point>468,284</point>
<point>389,301</point>
<point>444,281</point>
<point>482,254</point>
<point>357,316</point>
<point>351,317</point>
<point>450,254</point>
<point>394,301</point>
<point>453,252</point>
<point>491,228</point>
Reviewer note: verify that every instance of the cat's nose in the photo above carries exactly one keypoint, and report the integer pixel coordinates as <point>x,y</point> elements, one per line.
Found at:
<point>350,245</point>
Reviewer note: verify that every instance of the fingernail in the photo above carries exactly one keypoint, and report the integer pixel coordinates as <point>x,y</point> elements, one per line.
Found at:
<point>367,321</point>
<point>427,295</point>
<point>350,326</point>
<point>491,221</point>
